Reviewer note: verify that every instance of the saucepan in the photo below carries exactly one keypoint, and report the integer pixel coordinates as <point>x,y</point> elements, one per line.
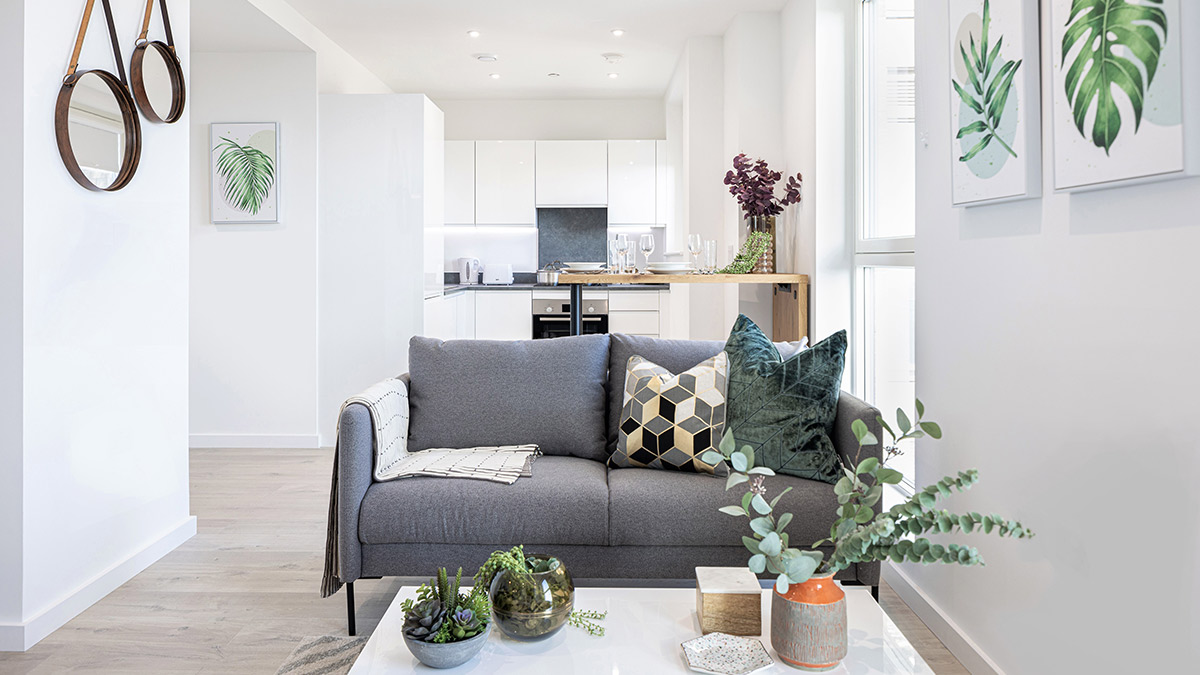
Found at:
<point>548,276</point>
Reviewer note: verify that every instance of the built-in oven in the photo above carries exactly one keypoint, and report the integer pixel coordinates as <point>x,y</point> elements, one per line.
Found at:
<point>552,318</point>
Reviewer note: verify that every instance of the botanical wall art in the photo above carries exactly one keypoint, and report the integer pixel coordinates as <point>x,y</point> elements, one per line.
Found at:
<point>994,110</point>
<point>1121,74</point>
<point>245,173</point>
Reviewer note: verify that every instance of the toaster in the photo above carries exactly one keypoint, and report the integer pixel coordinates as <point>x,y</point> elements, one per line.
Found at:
<point>498,275</point>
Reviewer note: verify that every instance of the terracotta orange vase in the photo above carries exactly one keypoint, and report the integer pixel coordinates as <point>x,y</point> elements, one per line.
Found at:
<point>808,624</point>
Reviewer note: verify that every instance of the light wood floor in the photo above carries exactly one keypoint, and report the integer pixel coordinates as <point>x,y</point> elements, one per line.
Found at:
<point>240,595</point>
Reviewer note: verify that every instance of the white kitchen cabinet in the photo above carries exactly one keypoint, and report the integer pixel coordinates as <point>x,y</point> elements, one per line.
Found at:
<point>504,183</point>
<point>460,182</point>
<point>572,173</point>
<point>664,196</point>
<point>503,315</point>
<point>464,311</point>
<point>632,183</point>
<point>440,318</point>
<point>634,323</point>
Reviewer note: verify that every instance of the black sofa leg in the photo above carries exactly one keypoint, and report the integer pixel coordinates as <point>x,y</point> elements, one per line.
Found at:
<point>874,594</point>
<point>350,609</point>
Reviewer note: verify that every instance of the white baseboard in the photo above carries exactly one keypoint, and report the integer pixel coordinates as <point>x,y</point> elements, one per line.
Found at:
<point>298,441</point>
<point>20,637</point>
<point>959,643</point>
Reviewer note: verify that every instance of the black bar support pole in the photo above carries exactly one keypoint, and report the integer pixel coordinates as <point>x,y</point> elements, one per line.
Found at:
<point>576,309</point>
<point>350,628</point>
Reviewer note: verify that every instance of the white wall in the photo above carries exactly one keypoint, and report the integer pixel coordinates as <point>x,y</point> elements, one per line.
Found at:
<point>338,72</point>
<point>1056,346</point>
<point>254,287</point>
<point>697,87</point>
<point>12,110</point>
<point>818,54</point>
<point>553,120</point>
<point>105,342</point>
<point>753,125</point>
<point>373,208</point>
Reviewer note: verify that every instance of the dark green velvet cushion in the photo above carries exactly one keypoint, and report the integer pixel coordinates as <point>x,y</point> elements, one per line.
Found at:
<point>785,409</point>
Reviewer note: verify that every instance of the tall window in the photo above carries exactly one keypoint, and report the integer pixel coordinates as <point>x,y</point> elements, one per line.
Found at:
<point>884,353</point>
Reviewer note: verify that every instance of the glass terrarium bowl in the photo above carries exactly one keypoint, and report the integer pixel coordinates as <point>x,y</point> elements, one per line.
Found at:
<point>531,606</point>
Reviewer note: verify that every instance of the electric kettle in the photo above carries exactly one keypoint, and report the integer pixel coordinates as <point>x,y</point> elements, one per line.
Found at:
<point>468,270</point>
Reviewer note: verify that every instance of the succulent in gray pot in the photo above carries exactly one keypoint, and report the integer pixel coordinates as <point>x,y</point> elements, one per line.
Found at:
<point>532,596</point>
<point>444,628</point>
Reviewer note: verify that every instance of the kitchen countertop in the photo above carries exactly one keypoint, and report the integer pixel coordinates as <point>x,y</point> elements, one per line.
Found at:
<point>455,288</point>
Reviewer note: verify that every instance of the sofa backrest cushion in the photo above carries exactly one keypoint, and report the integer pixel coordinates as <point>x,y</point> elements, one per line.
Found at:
<point>676,356</point>
<point>468,393</point>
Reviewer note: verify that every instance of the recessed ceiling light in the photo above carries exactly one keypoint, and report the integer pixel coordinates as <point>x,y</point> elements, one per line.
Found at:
<point>486,58</point>
<point>613,76</point>
<point>618,32</point>
<point>473,33</point>
<point>553,75</point>
<point>612,57</point>
<point>494,76</point>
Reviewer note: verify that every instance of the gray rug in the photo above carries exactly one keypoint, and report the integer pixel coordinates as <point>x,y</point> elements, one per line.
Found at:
<point>323,655</point>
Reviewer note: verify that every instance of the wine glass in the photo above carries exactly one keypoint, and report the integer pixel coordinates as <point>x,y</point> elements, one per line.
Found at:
<point>622,250</point>
<point>710,256</point>
<point>695,247</point>
<point>614,262</point>
<point>647,246</point>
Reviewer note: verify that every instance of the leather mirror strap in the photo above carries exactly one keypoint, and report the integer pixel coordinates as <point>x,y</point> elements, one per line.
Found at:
<point>83,26</point>
<point>112,34</point>
<point>166,23</point>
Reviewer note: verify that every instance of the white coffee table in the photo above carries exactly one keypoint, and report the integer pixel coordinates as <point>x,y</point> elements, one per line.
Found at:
<point>644,629</point>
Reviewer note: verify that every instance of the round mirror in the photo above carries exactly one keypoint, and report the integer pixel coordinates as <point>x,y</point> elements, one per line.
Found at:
<point>97,129</point>
<point>157,82</point>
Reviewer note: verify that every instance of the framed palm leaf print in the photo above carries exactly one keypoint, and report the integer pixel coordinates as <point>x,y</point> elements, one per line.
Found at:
<point>1126,91</point>
<point>245,172</point>
<point>995,111</point>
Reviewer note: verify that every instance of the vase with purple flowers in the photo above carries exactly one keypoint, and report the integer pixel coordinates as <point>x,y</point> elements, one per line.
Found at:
<point>752,183</point>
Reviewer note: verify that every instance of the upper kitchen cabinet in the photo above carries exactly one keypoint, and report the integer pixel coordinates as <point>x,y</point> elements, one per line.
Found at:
<point>460,182</point>
<point>632,183</point>
<point>572,173</point>
<point>665,194</point>
<point>504,183</point>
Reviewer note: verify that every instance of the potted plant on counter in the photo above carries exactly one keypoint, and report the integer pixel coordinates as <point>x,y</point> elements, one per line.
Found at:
<point>808,610</point>
<point>752,183</point>
<point>443,627</point>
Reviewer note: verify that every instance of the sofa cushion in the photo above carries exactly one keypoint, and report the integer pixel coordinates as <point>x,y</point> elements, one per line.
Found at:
<point>468,393</point>
<point>784,408</point>
<point>669,421</point>
<point>565,501</point>
<point>674,355</point>
<point>660,508</point>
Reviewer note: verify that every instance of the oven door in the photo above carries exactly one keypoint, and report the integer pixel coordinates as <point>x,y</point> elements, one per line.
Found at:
<point>547,326</point>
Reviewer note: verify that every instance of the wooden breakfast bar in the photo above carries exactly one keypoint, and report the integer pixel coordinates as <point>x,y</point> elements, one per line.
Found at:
<point>790,302</point>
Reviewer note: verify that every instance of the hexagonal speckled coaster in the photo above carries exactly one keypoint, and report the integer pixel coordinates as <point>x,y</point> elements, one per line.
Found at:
<point>721,654</point>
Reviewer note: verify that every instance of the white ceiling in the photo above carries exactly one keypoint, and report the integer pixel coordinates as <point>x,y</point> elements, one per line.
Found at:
<point>237,26</point>
<point>422,45</point>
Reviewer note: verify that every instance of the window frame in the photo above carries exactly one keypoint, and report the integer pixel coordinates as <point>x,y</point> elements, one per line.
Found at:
<point>870,252</point>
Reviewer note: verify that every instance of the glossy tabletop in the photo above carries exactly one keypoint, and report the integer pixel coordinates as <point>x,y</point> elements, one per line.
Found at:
<point>644,629</point>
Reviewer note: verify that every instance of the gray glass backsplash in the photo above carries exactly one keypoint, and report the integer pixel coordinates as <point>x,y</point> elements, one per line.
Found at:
<point>572,235</point>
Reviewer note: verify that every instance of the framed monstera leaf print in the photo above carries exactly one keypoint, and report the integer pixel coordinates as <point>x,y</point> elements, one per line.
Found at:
<point>245,172</point>
<point>995,111</point>
<point>1126,91</point>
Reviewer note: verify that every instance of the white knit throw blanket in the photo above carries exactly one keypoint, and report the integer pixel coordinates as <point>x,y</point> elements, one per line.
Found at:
<point>387,403</point>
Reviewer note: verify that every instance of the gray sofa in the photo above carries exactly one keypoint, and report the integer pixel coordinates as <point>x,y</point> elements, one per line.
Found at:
<point>564,395</point>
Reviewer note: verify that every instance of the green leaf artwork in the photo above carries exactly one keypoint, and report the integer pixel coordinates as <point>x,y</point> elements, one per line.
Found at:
<point>1118,39</point>
<point>986,89</point>
<point>249,174</point>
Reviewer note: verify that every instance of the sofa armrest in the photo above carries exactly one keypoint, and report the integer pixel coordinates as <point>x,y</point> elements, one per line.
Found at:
<point>356,461</point>
<point>851,408</point>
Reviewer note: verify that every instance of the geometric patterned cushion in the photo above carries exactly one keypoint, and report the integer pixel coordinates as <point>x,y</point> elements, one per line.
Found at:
<point>785,409</point>
<point>668,421</point>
